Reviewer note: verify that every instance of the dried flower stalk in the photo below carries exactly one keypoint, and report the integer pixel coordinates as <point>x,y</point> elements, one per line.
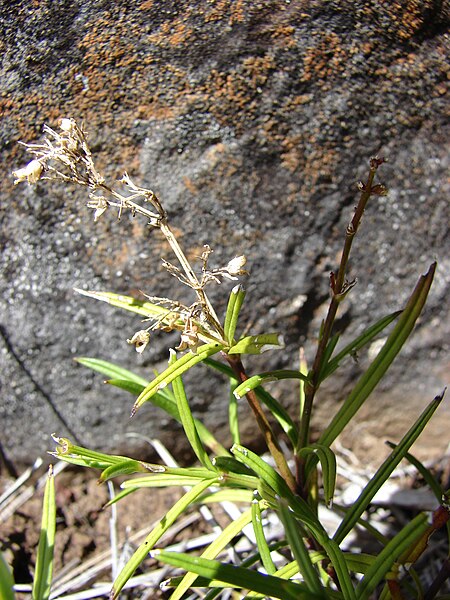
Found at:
<point>65,156</point>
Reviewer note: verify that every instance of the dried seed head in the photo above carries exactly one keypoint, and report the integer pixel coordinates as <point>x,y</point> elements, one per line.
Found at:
<point>31,173</point>
<point>140,340</point>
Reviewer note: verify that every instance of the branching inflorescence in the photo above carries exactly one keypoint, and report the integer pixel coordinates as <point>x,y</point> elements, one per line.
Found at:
<point>65,156</point>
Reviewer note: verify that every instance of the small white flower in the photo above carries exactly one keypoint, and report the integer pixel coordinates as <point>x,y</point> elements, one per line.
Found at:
<point>140,340</point>
<point>31,173</point>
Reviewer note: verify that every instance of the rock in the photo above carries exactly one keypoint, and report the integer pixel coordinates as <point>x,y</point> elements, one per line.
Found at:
<point>252,121</point>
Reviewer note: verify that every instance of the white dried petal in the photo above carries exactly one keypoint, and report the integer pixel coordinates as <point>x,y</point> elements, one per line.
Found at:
<point>100,209</point>
<point>189,340</point>
<point>234,267</point>
<point>140,340</point>
<point>31,173</point>
<point>67,125</point>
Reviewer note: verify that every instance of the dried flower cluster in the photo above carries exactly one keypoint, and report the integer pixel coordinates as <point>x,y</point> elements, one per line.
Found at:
<point>65,156</point>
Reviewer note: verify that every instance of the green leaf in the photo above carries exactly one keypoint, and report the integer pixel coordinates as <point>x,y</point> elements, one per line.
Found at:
<point>268,585</point>
<point>44,560</point>
<point>278,412</point>
<point>367,336</point>
<point>261,541</point>
<point>253,382</point>
<point>141,307</point>
<point>429,478</point>
<point>233,413</point>
<point>303,512</point>
<point>187,419</point>
<point>382,362</point>
<point>84,456</point>
<point>256,344</point>
<point>164,399</point>
<point>227,495</point>
<point>183,364</point>
<point>158,480</point>
<point>127,467</point>
<point>222,540</point>
<point>111,370</point>
<point>327,459</point>
<point>299,550</point>
<point>384,471</point>
<point>332,343</point>
<point>120,496</point>
<point>235,302</point>
<point>386,558</point>
<point>129,386</point>
<point>6,580</point>
<point>228,464</point>
<point>148,310</point>
<point>263,470</point>
<point>163,471</point>
<point>167,521</point>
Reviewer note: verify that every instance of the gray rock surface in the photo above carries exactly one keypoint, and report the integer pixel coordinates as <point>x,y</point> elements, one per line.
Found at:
<point>252,121</point>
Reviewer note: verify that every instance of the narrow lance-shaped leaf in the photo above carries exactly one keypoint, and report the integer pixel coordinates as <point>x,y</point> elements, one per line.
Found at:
<point>261,541</point>
<point>44,560</point>
<point>384,471</point>
<point>183,364</point>
<point>127,467</point>
<point>164,399</point>
<point>111,370</point>
<point>233,414</point>
<point>235,302</point>
<point>382,362</point>
<point>299,550</point>
<point>427,475</point>
<point>160,480</point>
<point>268,585</point>
<point>256,344</point>
<point>150,310</point>
<point>355,345</point>
<point>6,580</point>
<point>187,420</point>
<point>216,547</point>
<point>253,382</point>
<point>328,352</point>
<point>140,307</point>
<point>277,411</point>
<point>386,558</point>
<point>328,461</point>
<point>67,451</point>
<point>177,509</point>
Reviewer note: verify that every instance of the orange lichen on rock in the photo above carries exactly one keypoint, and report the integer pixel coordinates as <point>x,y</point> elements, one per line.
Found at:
<point>327,58</point>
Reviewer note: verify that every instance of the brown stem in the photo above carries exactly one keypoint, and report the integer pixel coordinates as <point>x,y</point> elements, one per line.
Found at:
<point>235,362</point>
<point>339,287</point>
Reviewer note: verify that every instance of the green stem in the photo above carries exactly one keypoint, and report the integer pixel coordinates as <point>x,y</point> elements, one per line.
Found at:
<point>235,362</point>
<point>339,287</point>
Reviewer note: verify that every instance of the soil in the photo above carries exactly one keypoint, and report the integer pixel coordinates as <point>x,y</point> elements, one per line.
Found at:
<point>83,524</point>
